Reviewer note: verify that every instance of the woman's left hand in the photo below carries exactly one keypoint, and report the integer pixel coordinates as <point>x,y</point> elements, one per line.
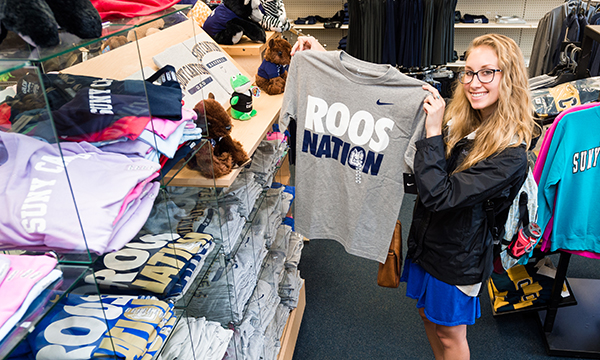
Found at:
<point>434,106</point>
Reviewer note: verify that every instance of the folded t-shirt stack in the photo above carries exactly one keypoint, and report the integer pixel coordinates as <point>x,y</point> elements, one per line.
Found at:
<point>268,157</point>
<point>510,20</point>
<point>150,264</point>
<point>26,278</point>
<point>86,327</point>
<point>212,297</point>
<point>34,180</point>
<point>474,19</point>
<point>522,286</point>
<point>90,109</point>
<point>208,340</point>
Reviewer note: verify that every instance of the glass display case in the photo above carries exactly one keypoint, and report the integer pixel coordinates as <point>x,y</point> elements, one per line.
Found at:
<point>96,139</point>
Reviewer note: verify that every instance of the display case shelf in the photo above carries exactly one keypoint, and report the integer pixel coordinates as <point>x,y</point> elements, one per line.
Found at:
<point>72,275</point>
<point>249,54</point>
<point>14,48</point>
<point>249,133</point>
<point>292,327</point>
<point>119,64</point>
<point>209,262</point>
<point>495,25</point>
<point>319,26</point>
<point>247,47</point>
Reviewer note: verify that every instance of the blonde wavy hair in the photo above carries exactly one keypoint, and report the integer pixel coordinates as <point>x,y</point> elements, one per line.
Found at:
<point>513,114</point>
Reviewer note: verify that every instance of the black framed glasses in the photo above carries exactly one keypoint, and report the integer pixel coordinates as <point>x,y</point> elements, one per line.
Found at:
<point>485,76</point>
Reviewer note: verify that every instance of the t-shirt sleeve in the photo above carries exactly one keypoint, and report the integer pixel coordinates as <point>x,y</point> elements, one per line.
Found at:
<point>289,107</point>
<point>418,133</point>
<point>549,177</point>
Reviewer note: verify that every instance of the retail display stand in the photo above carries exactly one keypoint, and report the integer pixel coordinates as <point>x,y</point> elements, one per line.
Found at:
<point>524,34</point>
<point>249,55</point>
<point>573,330</point>
<point>568,300</point>
<point>119,64</point>
<point>292,327</point>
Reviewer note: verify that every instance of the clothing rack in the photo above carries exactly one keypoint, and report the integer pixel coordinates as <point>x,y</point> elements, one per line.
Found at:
<point>575,330</point>
<point>591,33</point>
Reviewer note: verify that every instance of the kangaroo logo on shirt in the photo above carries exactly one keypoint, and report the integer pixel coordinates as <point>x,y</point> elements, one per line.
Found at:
<point>326,126</point>
<point>356,159</point>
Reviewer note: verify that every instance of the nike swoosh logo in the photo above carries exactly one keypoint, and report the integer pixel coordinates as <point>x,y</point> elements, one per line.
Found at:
<point>410,184</point>
<point>383,103</point>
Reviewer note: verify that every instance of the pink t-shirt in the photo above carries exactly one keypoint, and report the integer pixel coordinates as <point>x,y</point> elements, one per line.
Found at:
<point>25,271</point>
<point>164,127</point>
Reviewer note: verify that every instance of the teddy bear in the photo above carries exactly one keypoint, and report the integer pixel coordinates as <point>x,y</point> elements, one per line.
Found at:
<point>232,19</point>
<point>225,153</point>
<point>112,43</point>
<point>145,30</point>
<point>37,21</point>
<point>272,72</point>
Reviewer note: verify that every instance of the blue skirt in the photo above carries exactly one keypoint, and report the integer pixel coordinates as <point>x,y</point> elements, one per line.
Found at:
<point>444,304</point>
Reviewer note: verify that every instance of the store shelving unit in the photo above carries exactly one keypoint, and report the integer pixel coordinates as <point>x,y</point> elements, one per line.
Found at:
<point>529,10</point>
<point>118,64</point>
<point>302,8</point>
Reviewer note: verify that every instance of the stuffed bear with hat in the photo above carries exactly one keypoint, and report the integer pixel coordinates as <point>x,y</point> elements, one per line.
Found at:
<point>224,152</point>
<point>272,72</point>
<point>233,19</point>
<point>38,21</point>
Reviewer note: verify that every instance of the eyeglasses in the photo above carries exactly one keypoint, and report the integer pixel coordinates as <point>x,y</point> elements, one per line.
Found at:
<point>485,76</point>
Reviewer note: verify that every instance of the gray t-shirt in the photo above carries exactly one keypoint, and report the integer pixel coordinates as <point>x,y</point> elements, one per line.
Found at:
<point>357,123</point>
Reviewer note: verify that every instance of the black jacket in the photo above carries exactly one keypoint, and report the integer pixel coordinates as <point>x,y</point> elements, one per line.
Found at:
<point>449,236</point>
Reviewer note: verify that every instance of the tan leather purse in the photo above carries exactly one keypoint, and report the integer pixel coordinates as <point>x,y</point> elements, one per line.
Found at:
<point>389,273</point>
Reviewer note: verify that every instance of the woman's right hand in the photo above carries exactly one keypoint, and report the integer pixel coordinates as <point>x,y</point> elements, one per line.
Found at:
<point>434,106</point>
<point>307,43</point>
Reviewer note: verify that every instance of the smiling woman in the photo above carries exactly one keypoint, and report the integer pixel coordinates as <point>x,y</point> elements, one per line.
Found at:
<point>502,107</point>
<point>482,93</point>
<point>487,128</point>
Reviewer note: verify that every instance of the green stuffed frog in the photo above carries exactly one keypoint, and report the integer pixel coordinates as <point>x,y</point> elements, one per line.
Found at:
<point>241,99</point>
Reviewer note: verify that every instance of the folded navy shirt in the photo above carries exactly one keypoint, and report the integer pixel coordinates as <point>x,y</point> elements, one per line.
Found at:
<point>474,19</point>
<point>164,100</point>
<point>150,264</point>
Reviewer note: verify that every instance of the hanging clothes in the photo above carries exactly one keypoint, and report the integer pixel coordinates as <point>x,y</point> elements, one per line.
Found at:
<point>539,167</point>
<point>389,40</point>
<point>366,29</point>
<point>428,32</point>
<point>568,183</point>
<point>405,33</point>
<point>545,40</point>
